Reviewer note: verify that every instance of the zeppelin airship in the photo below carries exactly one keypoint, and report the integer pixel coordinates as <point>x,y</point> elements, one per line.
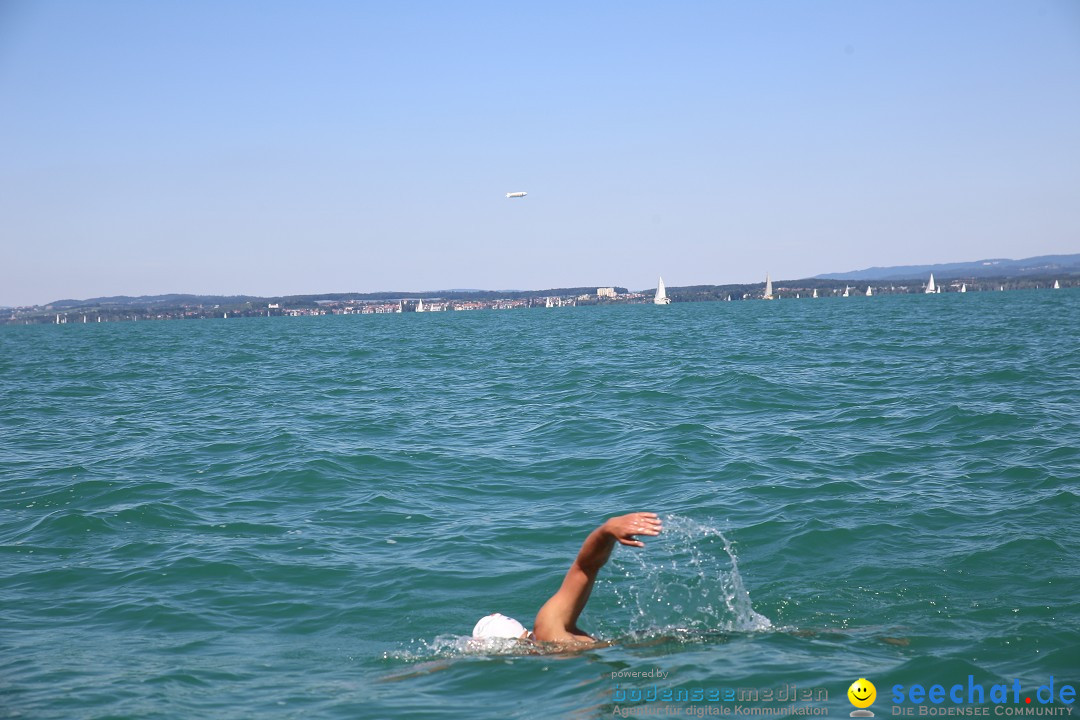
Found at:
<point>516,194</point>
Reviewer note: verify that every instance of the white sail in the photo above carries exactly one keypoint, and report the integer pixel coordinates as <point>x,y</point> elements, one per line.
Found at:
<point>930,287</point>
<point>815,293</point>
<point>963,287</point>
<point>420,305</point>
<point>869,291</point>
<point>846,293</point>
<point>768,288</point>
<point>661,294</point>
<point>1057,285</point>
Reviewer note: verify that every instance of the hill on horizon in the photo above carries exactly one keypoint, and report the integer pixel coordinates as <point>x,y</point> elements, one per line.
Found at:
<point>1004,268</point>
<point>994,267</point>
<point>184,299</point>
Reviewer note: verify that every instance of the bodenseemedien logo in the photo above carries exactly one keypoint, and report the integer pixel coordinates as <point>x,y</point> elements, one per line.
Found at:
<point>862,694</point>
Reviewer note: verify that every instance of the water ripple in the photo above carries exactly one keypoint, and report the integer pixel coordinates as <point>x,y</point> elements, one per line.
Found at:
<point>283,517</point>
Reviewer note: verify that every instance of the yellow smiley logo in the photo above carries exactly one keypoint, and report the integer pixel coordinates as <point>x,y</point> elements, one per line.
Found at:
<point>862,693</point>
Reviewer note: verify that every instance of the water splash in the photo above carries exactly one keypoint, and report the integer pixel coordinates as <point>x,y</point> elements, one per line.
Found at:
<point>685,584</point>
<point>457,646</point>
<point>684,581</point>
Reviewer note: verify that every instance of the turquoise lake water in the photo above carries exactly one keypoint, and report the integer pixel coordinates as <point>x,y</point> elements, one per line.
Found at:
<point>298,518</point>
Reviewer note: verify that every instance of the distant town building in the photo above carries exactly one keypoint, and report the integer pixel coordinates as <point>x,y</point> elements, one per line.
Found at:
<point>608,292</point>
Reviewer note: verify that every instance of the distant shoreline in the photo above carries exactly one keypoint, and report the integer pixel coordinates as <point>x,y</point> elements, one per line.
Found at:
<point>195,307</point>
<point>1002,271</point>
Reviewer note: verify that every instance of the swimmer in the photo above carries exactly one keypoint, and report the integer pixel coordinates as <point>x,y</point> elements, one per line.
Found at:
<point>556,622</point>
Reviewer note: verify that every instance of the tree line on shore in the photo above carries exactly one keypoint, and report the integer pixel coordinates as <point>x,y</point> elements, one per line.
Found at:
<point>123,308</point>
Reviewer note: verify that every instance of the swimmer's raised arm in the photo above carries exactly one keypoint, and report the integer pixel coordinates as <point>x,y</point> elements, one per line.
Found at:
<point>557,619</point>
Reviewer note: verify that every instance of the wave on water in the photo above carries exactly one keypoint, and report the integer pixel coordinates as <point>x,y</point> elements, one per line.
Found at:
<point>683,586</point>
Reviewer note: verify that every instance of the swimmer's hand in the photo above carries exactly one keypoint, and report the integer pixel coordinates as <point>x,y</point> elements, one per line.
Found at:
<point>625,527</point>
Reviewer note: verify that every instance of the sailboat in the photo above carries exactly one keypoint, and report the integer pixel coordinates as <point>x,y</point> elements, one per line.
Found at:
<point>846,293</point>
<point>768,289</point>
<point>963,287</point>
<point>420,305</point>
<point>548,303</point>
<point>869,292</point>
<point>815,293</point>
<point>1001,288</point>
<point>1057,285</point>
<point>661,294</point>
<point>930,287</point>
<point>796,296</point>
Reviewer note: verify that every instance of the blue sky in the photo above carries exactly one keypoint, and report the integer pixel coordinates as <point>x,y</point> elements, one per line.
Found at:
<point>281,147</point>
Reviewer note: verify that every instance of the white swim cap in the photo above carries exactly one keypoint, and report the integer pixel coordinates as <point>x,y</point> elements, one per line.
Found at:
<point>497,625</point>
